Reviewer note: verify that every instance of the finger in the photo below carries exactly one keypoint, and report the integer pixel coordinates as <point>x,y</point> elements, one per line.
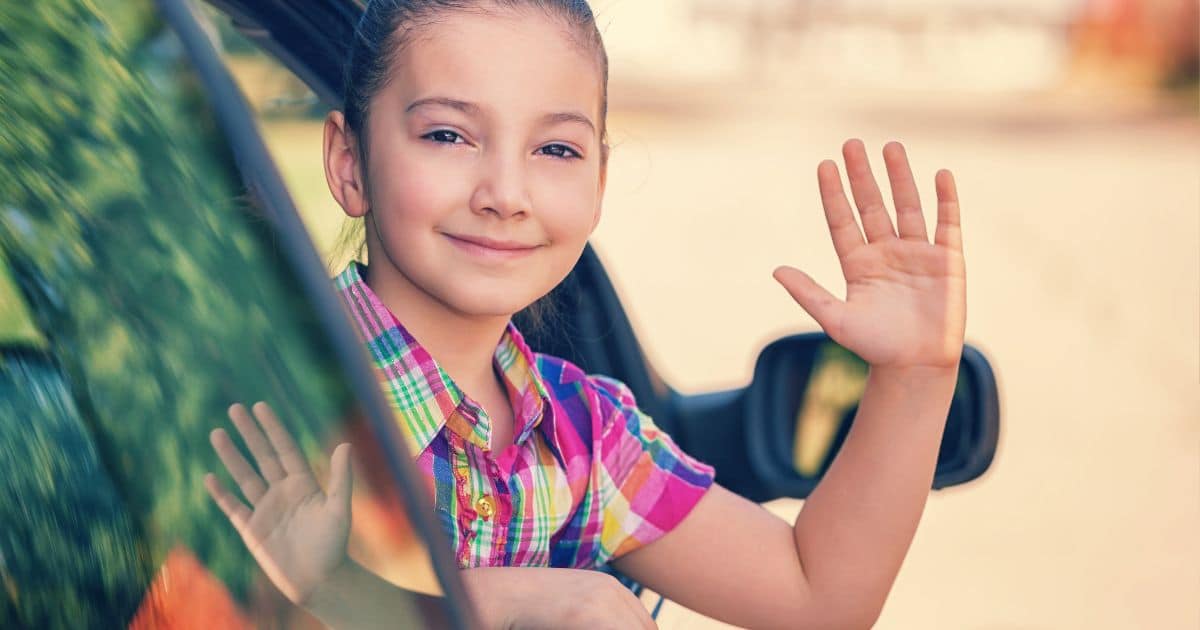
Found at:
<point>638,608</point>
<point>289,455</point>
<point>907,201</point>
<point>842,226</point>
<point>638,616</point>
<point>876,223</point>
<point>264,455</point>
<point>237,513</point>
<point>949,229</point>
<point>253,487</point>
<point>643,614</point>
<point>341,480</point>
<point>812,297</point>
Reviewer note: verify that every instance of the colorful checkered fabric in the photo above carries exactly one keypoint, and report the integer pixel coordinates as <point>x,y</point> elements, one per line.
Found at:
<point>590,477</point>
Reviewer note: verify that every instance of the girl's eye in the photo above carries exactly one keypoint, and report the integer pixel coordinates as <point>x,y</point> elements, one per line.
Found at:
<point>560,151</point>
<point>444,136</point>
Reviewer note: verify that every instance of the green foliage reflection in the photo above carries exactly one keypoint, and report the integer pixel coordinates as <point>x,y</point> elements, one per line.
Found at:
<point>154,283</point>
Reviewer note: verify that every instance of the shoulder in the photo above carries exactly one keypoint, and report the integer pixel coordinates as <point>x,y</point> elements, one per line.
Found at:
<point>642,482</point>
<point>557,372</point>
<point>605,414</point>
<point>567,380</point>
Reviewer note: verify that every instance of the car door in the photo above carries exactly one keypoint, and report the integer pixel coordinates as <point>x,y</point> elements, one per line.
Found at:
<point>730,429</point>
<point>152,271</point>
<point>156,284</point>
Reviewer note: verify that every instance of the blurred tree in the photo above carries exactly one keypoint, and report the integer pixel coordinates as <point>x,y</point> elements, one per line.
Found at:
<point>157,287</point>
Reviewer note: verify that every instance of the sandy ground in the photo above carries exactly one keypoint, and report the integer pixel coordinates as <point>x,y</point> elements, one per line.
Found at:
<point>1082,235</point>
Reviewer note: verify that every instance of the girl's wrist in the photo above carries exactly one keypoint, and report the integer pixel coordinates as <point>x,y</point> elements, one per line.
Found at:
<point>492,594</point>
<point>329,597</point>
<point>352,597</point>
<point>920,391</point>
<point>917,375</point>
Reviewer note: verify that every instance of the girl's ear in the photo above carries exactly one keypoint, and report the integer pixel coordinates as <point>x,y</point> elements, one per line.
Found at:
<point>343,173</point>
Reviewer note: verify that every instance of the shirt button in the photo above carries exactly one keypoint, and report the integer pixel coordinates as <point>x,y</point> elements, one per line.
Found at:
<point>486,506</point>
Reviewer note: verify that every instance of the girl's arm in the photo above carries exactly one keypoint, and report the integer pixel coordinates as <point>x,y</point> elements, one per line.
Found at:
<point>353,597</point>
<point>298,533</point>
<point>904,314</point>
<point>732,560</point>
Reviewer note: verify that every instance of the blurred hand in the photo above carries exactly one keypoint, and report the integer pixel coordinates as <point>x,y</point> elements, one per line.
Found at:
<point>905,297</point>
<point>537,597</point>
<point>296,532</point>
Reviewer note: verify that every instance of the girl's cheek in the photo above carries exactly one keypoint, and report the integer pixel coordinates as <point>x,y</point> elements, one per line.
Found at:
<point>427,186</point>
<point>574,178</point>
<point>569,209</point>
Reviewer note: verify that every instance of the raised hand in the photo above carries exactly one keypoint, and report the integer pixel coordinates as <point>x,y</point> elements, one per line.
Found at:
<point>296,532</point>
<point>905,300</point>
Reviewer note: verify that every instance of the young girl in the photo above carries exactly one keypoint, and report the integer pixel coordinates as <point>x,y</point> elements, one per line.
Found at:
<point>472,143</point>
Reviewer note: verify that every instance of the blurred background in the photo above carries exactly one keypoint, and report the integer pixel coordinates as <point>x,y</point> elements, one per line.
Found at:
<point>1072,127</point>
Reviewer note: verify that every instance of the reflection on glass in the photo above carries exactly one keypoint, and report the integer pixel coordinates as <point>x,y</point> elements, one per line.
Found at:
<point>835,385</point>
<point>828,401</point>
<point>292,120</point>
<point>160,299</point>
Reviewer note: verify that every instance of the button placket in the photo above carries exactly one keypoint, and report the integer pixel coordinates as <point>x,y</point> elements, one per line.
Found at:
<point>486,506</point>
<point>462,491</point>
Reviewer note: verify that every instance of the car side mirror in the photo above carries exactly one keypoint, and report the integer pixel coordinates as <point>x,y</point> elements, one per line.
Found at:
<point>804,397</point>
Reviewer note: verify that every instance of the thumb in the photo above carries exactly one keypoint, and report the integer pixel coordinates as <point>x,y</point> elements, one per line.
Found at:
<point>341,480</point>
<point>812,297</point>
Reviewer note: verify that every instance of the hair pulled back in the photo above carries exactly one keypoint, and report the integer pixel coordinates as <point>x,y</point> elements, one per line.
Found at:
<point>387,26</point>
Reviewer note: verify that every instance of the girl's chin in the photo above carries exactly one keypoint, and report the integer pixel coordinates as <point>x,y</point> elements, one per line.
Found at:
<point>486,303</point>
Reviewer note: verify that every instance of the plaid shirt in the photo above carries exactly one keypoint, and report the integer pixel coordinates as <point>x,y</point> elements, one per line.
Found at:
<point>590,478</point>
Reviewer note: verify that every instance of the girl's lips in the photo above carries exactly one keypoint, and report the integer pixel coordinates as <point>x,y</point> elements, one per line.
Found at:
<point>488,248</point>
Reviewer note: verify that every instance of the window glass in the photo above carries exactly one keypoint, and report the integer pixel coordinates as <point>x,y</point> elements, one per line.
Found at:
<point>826,402</point>
<point>159,296</point>
<point>16,326</point>
<point>291,120</point>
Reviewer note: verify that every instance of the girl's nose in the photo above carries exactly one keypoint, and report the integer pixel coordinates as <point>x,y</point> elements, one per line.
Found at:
<point>501,188</point>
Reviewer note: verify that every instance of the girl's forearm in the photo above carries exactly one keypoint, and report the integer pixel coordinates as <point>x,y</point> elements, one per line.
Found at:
<point>354,598</point>
<point>855,528</point>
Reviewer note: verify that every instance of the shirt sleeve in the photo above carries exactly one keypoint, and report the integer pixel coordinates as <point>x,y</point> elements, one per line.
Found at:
<point>647,484</point>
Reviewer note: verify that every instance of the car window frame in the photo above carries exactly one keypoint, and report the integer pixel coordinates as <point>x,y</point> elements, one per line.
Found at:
<point>264,183</point>
<point>596,333</point>
<point>305,38</point>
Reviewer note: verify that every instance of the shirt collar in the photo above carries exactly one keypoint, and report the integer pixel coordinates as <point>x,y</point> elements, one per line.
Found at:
<point>419,390</point>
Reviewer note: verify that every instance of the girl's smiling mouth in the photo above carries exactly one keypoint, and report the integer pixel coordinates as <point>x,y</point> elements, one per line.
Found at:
<point>483,247</point>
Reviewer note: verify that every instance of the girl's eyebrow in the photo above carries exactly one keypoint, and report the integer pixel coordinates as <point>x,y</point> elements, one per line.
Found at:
<point>472,109</point>
<point>559,117</point>
<point>462,106</point>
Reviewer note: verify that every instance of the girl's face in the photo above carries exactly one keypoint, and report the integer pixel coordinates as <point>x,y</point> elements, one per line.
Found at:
<point>485,169</point>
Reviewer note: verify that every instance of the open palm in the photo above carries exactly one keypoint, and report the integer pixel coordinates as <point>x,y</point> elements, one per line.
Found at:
<point>295,531</point>
<point>905,300</point>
